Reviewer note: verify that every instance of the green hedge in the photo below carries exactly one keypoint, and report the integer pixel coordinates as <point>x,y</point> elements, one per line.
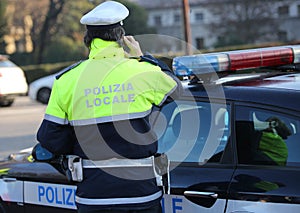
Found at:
<point>33,72</point>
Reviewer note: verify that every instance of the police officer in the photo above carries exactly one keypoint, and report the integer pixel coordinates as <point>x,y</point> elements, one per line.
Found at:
<point>100,110</point>
<point>272,144</point>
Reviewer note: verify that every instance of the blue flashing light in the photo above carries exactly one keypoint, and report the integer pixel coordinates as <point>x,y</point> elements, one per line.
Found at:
<point>200,64</point>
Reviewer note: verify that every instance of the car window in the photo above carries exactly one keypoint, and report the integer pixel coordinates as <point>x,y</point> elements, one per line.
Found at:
<point>194,131</point>
<point>266,137</point>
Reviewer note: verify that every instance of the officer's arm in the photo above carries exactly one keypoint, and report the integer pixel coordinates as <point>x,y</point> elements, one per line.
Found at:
<point>58,139</point>
<point>55,134</point>
<point>165,68</point>
<point>135,52</point>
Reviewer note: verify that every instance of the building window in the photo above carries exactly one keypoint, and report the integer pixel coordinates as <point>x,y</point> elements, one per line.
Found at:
<point>200,43</point>
<point>283,10</point>
<point>157,20</point>
<point>177,18</point>
<point>298,10</point>
<point>199,16</point>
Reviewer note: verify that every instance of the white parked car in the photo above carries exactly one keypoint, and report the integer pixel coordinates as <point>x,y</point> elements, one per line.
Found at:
<point>12,81</point>
<point>40,89</point>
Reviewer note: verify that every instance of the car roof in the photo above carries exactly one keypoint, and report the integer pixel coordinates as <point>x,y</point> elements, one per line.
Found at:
<point>280,81</point>
<point>280,90</point>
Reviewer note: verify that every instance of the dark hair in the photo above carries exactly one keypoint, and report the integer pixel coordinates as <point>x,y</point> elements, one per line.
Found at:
<point>114,34</point>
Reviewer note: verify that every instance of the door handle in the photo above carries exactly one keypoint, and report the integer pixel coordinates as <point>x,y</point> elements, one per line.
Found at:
<point>6,179</point>
<point>200,194</point>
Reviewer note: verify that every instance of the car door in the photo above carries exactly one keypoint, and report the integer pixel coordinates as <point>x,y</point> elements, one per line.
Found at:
<point>49,197</point>
<point>268,170</point>
<point>30,187</point>
<point>195,136</point>
<point>45,189</point>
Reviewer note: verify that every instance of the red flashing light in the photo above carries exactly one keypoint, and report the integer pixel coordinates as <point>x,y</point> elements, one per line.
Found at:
<point>260,58</point>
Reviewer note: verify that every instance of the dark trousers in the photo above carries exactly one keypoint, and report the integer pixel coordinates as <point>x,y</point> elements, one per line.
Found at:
<point>154,209</point>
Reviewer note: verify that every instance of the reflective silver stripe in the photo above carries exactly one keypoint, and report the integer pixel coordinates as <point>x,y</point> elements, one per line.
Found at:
<point>109,118</point>
<point>168,94</point>
<point>113,201</point>
<point>56,119</point>
<point>114,163</point>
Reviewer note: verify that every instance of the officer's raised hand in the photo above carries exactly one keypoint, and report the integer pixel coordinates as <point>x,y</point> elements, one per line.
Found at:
<point>133,46</point>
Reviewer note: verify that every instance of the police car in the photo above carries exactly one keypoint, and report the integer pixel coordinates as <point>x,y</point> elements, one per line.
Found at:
<point>232,138</point>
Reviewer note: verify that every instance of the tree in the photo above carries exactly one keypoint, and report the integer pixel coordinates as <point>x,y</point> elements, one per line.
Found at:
<point>56,27</point>
<point>55,8</point>
<point>244,21</point>
<point>136,23</point>
<point>53,21</point>
<point>3,24</point>
<point>19,10</point>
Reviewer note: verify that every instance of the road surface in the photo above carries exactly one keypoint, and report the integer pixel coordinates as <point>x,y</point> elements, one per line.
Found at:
<point>18,125</point>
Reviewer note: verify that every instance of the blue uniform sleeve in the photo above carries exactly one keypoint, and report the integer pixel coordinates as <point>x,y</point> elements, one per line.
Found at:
<point>58,139</point>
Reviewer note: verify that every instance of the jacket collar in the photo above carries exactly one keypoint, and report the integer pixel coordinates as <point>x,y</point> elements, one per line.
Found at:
<point>105,49</point>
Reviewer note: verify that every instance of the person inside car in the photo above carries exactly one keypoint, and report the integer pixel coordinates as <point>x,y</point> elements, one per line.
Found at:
<point>272,144</point>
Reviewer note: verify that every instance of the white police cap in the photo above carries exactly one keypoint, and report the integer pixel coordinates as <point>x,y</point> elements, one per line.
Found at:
<point>106,14</point>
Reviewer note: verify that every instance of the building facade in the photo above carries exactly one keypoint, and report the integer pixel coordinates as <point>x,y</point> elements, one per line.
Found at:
<point>207,16</point>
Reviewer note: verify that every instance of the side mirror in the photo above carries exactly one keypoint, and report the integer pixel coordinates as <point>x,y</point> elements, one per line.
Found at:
<point>41,154</point>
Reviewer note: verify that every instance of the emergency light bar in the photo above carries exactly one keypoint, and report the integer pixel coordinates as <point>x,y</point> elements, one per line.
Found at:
<point>236,60</point>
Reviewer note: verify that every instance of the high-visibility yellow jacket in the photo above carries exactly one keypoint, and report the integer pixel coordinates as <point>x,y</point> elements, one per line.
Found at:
<point>107,87</point>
